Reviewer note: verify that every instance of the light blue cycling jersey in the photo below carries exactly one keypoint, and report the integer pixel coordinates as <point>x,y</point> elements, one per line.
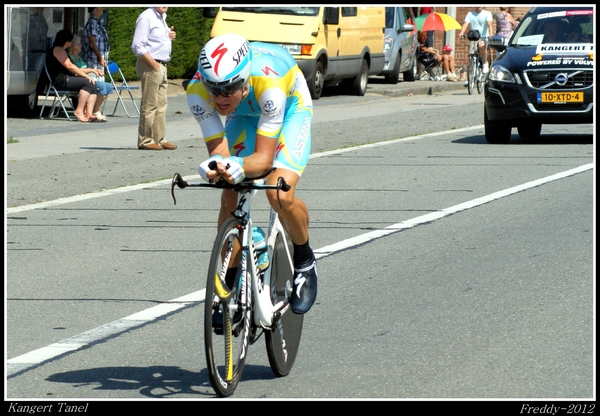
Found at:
<point>278,105</point>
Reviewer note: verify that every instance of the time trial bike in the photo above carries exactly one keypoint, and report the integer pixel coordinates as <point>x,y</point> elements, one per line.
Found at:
<point>255,302</point>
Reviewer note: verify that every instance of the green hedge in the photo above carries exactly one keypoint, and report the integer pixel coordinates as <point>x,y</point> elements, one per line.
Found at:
<point>192,33</point>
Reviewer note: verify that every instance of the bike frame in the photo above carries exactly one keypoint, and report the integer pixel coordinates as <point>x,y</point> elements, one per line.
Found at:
<point>265,313</point>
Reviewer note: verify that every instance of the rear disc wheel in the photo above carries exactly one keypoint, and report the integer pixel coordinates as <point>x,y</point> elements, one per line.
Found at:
<point>283,341</point>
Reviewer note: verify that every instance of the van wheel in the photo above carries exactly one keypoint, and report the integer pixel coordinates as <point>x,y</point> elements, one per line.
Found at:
<point>496,132</point>
<point>411,74</point>
<point>395,75</point>
<point>358,85</point>
<point>315,85</point>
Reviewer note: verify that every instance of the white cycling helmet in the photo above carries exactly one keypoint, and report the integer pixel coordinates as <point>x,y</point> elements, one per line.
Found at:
<point>224,62</point>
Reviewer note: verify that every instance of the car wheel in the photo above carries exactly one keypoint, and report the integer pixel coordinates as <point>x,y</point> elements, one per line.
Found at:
<point>358,85</point>
<point>496,132</point>
<point>395,75</point>
<point>530,131</point>
<point>315,85</point>
<point>411,75</point>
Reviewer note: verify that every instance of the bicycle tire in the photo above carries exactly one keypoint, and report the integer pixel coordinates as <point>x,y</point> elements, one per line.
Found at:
<point>225,354</point>
<point>471,74</point>
<point>480,79</point>
<point>283,341</point>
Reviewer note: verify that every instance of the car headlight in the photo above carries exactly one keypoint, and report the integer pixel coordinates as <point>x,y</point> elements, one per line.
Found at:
<point>499,73</point>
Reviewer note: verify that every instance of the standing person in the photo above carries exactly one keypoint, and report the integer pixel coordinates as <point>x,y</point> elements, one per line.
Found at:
<point>263,94</point>
<point>95,45</point>
<point>481,20</point>
<point>104,88</point>
<point>152,46</point>
<point>67,76</point>
<point>427,10</point>
<point>505,23</point>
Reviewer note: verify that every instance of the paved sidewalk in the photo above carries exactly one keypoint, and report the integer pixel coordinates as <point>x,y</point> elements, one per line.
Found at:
<point>38,138</point>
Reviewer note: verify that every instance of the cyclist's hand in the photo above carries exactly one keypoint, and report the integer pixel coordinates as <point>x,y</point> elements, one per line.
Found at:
<point>234,166</point>
<point>204,167</point>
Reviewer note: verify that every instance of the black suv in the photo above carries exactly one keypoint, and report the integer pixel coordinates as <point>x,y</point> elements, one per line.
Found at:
<point>542,75</point>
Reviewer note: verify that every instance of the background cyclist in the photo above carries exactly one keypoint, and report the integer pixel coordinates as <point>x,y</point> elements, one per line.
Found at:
<point>481,20</point>
<point>263,94</point>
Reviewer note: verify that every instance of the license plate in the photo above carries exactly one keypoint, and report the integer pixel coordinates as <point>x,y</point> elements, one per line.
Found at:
<point>560,97</point>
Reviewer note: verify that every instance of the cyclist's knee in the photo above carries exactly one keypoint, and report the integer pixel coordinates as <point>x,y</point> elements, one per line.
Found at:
<point>281,201</point>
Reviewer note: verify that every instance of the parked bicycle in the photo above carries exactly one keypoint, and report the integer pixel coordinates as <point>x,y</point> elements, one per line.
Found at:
<point>257,301</point>
<point>475,75</point>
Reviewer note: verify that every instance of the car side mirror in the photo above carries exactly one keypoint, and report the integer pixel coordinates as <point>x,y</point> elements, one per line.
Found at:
<point>497,42</point>
<point>408,27</point>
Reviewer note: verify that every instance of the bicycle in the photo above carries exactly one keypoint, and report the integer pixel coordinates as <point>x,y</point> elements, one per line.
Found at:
<point>475,67</point>
<point>257,302</point>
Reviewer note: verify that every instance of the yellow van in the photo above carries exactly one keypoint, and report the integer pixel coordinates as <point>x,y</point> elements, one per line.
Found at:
<point>330,44</point>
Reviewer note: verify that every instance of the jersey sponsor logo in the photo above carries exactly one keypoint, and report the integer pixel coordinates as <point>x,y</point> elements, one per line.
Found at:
<point>280,147</point>
<point>199,112</point>
<point>302,138</point>
<point>270,108</point>
<point>267,70</point>
<point>238,148</point>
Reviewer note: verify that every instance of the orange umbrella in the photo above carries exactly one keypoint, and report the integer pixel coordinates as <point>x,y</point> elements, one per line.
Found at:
<point>437,21</point>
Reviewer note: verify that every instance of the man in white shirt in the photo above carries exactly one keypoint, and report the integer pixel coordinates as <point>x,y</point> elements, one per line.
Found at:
<point>152,45</point>
<point>480,20</point>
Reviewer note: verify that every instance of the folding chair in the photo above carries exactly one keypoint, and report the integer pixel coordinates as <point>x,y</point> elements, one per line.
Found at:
<point>113,69</point>
<point>60,98</point>
<point>429,68</point>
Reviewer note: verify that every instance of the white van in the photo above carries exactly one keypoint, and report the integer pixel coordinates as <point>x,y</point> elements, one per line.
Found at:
<point>330,44</point>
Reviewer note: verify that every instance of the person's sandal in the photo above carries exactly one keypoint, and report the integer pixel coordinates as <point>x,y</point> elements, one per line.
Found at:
<point>99,116</point>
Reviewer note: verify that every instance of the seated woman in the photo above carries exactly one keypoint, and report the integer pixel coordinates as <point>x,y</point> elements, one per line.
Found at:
<point>104,88</point>
<point>427,55</point>
<point>448,63</point>
<point>66,75</point>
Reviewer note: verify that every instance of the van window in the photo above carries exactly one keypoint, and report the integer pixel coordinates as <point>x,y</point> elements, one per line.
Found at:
<point>300,11</point>
<point>389,17</point>
<point>349,11</point>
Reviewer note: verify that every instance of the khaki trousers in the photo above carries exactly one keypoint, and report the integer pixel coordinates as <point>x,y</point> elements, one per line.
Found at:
<point>153,106</point>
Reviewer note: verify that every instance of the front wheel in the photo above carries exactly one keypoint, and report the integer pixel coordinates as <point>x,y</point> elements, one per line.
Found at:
<point>411,74</point>
<point>283,340</point>
<point>226,345</point>
<point>471,74</point>
<point>496,132</point>
<point>480,78</point>
<point>395,75</point>
<point>315,85</point>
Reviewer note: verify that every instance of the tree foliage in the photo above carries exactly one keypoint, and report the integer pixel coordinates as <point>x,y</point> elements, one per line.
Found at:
<point>192,33</point>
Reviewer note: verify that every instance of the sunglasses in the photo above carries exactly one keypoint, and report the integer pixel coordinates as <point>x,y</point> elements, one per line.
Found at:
<point>225,91</point>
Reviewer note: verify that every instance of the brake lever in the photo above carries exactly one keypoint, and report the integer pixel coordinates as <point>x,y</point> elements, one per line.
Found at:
<point>177,180</point>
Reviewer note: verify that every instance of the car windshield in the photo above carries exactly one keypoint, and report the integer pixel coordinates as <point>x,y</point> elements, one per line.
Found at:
<point>301,11</point>
<point>571,26</point>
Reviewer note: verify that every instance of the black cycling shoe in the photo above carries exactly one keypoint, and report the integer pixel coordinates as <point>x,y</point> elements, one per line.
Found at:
<point>305,289</point>
<point>217,321</point>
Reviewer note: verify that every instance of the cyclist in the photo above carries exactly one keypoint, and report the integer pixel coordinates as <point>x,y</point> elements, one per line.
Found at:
<point>268,111</point>
<point>480,20</point>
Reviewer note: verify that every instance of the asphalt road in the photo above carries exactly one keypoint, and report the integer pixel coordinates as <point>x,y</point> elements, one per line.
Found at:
<point>450,269</point>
